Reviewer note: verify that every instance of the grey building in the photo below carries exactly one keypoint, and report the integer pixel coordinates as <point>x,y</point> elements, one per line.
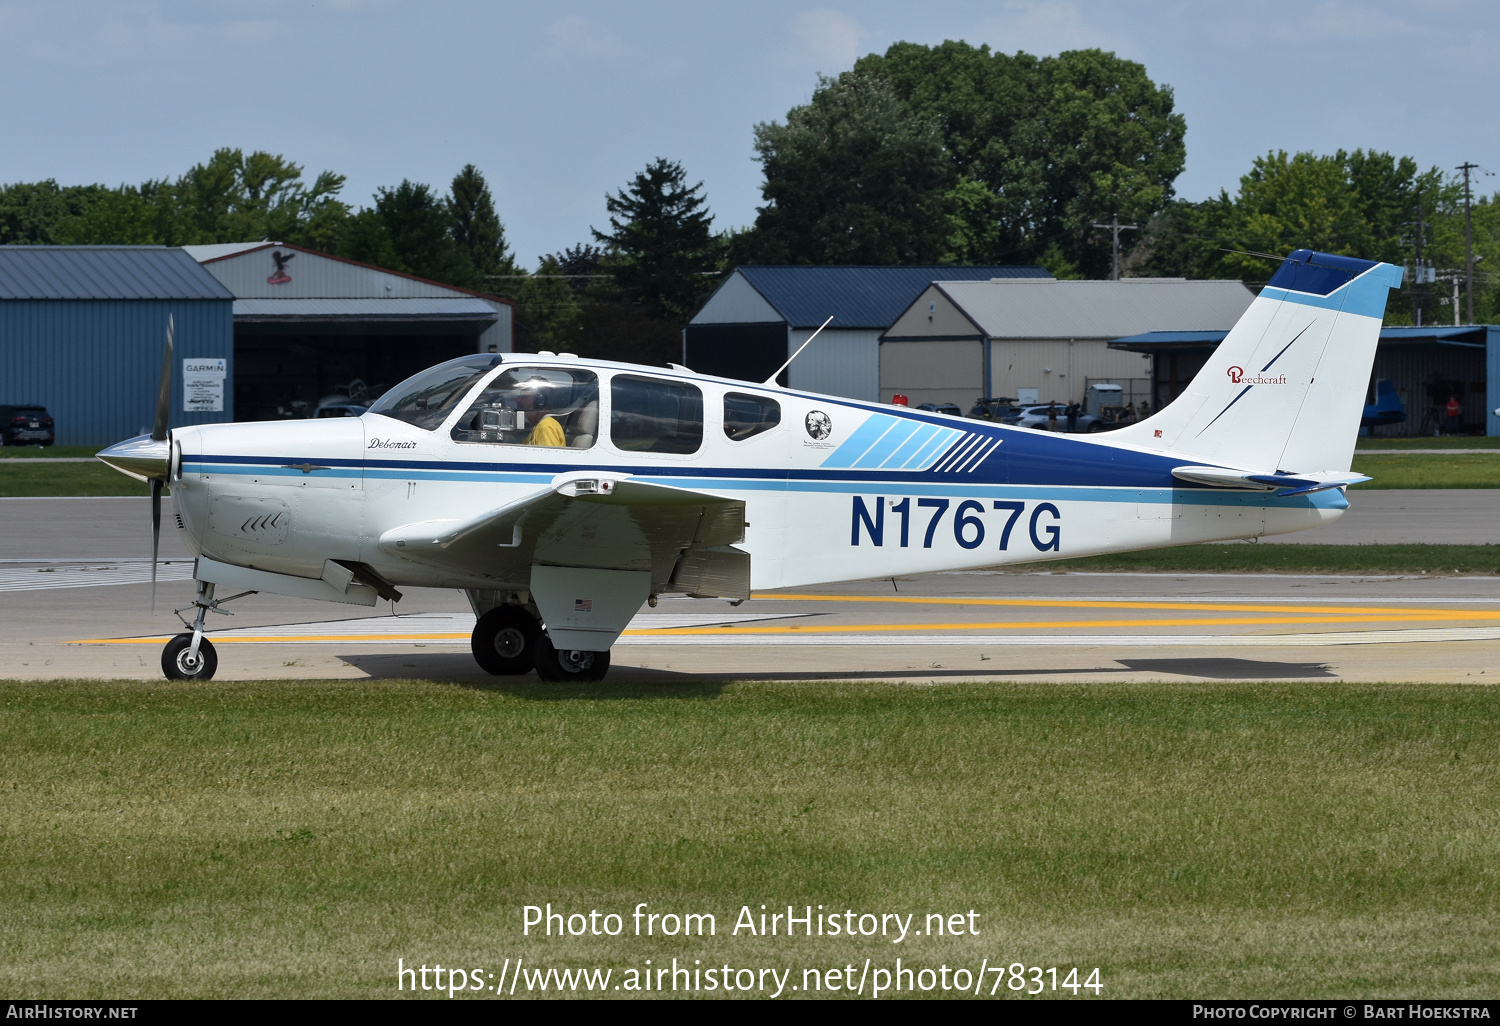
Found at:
<point>309,325</point>
<point>82,330</point>
<point>959,340</point>
<point>759,317</point>
<point>1426,364</point>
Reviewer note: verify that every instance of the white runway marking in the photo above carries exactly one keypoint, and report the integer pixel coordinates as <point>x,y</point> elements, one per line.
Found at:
<point>438,628</point>
<point>93,574</point>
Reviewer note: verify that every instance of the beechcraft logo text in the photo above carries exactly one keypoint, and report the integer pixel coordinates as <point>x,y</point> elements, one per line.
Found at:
<point>1237,376</point>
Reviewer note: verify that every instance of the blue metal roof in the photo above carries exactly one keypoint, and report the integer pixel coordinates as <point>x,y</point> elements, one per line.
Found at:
<point>1170,337</point>
<point>859,297</point>
<point>104,272</point>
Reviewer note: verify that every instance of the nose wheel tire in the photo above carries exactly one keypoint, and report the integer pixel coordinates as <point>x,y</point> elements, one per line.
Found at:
<point>505,640</point>
<point>568,665</point>
<point>178,662</point>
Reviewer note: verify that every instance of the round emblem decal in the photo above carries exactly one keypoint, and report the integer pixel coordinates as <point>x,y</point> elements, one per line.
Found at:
<point>819,425</point>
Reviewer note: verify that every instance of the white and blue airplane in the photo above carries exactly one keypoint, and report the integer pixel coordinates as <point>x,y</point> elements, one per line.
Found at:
<point>560,494</point>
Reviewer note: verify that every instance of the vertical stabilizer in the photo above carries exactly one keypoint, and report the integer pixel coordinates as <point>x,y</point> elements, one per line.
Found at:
<point>1286,388</point>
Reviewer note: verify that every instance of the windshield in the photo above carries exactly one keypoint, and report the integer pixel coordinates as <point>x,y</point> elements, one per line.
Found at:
<point>426,399</point>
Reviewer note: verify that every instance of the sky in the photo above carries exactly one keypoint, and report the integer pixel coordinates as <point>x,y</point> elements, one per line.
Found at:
<point>560,103</point>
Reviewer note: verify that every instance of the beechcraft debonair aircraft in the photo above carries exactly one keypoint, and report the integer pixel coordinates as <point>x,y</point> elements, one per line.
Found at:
<point>560,493</point>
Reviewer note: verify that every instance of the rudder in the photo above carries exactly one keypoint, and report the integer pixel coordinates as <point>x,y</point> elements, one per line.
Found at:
<point>1285,390</point>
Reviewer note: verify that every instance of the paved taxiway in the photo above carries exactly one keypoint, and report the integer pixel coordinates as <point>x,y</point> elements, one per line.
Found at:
<point>74,602</point>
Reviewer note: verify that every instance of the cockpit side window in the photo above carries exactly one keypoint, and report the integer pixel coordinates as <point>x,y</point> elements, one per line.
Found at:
<point>654,415</point>
<point>748,415</point>
<point>549,406</point>
<point>425,400</point>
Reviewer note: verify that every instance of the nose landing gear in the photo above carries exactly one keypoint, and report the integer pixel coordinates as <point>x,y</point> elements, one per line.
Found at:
<point>190,655</point>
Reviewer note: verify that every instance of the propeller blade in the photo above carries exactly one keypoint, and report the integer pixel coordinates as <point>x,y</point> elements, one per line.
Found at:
<point>156,484</point>
<point>164,390</point>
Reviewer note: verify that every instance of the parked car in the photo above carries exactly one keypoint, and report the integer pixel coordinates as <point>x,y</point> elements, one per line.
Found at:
<point>26,425</point>
<point>1036,417</point>
<point>992,409</point>
<point>340,410</point>
<point>951,409</point>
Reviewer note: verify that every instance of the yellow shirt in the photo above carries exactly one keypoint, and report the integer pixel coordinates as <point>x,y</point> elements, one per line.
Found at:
<point>547,432</point>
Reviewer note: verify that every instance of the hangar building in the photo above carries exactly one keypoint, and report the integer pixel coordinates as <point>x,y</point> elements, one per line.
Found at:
<point>265,330</point>
<point>1426,364</point>
<point>960,339</point>
<point>760,315</point>
<point>82,330</point>
<point>309,325</point>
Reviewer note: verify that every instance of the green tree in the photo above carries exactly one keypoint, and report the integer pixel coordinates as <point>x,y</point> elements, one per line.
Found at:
<point>476,227</point>
<point>853,177</point>
<point>546,311</point>
<point>31,212</point>
<point>420,231</point>
<point>1059,143</point>
<point>660,246</point>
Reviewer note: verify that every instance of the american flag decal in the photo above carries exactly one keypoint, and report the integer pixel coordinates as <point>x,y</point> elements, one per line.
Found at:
<point>583,605</point>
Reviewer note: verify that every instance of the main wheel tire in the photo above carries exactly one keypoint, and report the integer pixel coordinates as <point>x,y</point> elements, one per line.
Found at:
<point>1095,428</point>
<point>504,640</point>
<point>567,665</point>
<point>177,664</point>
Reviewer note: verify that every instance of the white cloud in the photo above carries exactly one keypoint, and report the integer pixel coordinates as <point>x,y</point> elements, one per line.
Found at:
<point>142,35</point>
<point>1048,27</point>
<point>829,38</point>
<point>581,37</point>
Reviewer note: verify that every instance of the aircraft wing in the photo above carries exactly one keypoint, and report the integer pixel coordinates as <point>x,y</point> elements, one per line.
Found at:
<point>597,520</point>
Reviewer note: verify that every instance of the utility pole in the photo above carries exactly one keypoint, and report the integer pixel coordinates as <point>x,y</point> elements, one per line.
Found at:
<point>1421,281</point>
<point>1467,167</point>
<point>1115,228</point>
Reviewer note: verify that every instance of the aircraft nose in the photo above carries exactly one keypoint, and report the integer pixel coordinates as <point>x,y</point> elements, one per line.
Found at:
<point>142,457</point>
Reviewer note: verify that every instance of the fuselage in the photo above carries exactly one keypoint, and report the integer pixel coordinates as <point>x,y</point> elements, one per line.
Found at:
<point>835,489</point>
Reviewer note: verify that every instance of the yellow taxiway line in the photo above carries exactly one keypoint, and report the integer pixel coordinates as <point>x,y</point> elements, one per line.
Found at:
<point>1271,615</point>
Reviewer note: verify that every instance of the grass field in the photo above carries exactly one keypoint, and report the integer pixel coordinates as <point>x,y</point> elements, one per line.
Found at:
<point>1422,470</point>
<point>1269,557</point>
<point>1445,442</point>
<point>22,477</point>
<point>1309,839</point>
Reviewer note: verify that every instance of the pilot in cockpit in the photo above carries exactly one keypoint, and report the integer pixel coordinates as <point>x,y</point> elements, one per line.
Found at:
<point>532,397</point>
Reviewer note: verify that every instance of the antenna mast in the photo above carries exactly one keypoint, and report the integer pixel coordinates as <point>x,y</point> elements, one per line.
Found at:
<point>772,379</point>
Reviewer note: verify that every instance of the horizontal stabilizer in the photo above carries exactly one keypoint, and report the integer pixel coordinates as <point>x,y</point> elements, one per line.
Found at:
<point>1281,484</point>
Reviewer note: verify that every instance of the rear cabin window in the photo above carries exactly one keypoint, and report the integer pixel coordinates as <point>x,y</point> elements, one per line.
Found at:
<point>746,416</point>
<point>547,406</point>
<point>653,415</point>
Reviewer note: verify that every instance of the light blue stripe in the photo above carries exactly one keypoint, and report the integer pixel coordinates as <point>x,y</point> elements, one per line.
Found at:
<point>1330,499</point>
<point>855,446</point>
<point>910,447</point>
<point>889,443</point>
<point>930,452</point>
<point>1365,295</point>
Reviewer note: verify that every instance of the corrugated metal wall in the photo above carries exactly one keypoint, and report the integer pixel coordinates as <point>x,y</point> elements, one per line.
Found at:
<point>838,362</point>
<point>95,365</point>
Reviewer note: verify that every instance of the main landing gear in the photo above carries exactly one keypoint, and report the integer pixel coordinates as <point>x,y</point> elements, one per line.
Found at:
<point>510,640</point>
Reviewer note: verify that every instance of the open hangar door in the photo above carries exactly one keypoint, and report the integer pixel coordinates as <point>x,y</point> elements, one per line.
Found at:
<point>282,369</point>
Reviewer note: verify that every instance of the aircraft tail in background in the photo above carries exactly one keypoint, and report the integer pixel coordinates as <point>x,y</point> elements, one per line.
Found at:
<point>1285,390</point>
